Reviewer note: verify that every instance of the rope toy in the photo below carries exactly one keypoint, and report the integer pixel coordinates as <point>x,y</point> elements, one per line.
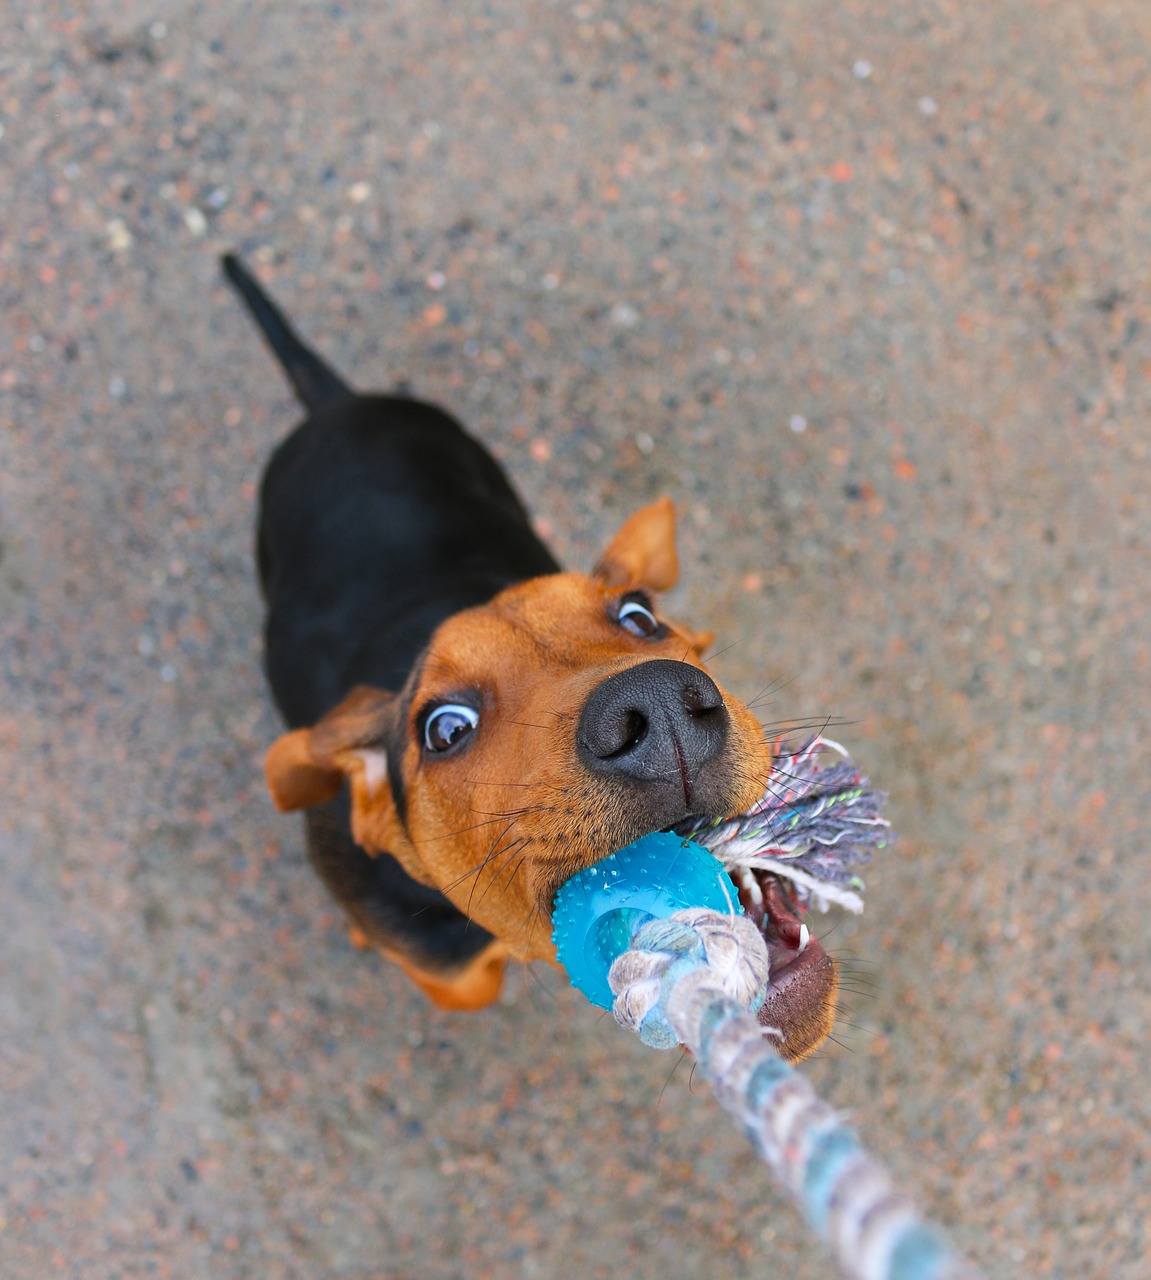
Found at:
<point>813,826</point>
<point>656,933</point>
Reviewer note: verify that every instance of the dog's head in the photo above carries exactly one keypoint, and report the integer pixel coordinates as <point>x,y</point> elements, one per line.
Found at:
<point>542,731</point>
<point>538,733</point>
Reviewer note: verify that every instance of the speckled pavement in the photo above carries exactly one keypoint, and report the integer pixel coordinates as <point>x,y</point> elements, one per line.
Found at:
<point>865,286</point>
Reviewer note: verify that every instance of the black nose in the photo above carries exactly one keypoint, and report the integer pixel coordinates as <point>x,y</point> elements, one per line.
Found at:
<point>659,722</point>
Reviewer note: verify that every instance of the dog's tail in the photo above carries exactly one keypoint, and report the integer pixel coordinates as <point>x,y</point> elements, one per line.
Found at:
<point>316,383</point>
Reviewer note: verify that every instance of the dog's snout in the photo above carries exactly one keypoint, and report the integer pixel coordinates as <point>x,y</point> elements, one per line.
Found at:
<point>660,721</point>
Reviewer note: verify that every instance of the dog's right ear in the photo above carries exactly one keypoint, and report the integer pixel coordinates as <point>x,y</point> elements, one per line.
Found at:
<point>307,767</point>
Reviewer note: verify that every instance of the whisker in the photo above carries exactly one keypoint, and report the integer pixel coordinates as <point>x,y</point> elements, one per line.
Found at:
<point>479,870</point>
<point>539,988</point>
<point>675,1067</point>
<point>509,852</point>
<point>476,870</point>
<point>496,814</point>
<point>855,1026</point>
<point>850,969</point>
<point>727,648</point>
<point>487,782</point>
<point>774,686</point>
<point>451,835</point>
<point>834,928</point>
<point>801,724</point>
<point>515,869</point>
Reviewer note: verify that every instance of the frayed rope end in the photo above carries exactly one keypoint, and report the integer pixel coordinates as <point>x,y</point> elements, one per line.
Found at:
<point>815,824</point>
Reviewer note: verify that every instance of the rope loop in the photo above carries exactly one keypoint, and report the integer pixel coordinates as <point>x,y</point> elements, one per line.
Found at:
<point>696,954</point>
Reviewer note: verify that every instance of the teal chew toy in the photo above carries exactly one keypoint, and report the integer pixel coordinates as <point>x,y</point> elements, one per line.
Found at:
<point>599,910</point>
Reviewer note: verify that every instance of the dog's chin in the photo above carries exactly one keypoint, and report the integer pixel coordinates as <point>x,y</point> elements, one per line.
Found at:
<point>550,875</point>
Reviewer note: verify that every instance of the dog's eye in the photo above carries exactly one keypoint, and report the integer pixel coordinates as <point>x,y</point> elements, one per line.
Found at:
<point>445,726</point>
<point>636,615</point>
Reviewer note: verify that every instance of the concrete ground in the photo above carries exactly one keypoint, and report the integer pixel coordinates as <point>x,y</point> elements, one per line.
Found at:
<point>864,285</point>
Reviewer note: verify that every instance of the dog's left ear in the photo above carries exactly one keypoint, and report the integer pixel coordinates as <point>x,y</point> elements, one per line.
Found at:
<point>307,767</point>
<point>643,553</point>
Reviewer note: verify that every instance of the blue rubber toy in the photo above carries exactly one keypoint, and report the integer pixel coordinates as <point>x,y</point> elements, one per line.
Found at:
<point>599,909</point>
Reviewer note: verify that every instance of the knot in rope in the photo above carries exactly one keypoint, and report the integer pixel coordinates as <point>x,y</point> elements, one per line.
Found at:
<point>694,955</point>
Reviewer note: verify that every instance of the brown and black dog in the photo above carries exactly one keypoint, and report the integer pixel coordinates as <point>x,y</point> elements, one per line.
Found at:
<point>470,726</point>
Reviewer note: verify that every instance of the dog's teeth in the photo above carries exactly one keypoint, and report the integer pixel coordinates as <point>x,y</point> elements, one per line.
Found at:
<point>748,882</point>
<point>804,937</point>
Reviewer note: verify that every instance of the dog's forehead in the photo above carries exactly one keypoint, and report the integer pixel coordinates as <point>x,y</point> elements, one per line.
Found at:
<point>543,609</point>
<point>552,603</point>
<point>552,623</point>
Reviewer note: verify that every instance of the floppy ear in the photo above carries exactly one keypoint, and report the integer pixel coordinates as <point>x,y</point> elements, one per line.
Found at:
<point>295,779</point>
<point>308,766</point>
<point>643,553</point>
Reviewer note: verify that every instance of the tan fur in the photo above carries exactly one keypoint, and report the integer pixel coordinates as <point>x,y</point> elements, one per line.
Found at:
<point>474,987</point>
<point>501,825</point>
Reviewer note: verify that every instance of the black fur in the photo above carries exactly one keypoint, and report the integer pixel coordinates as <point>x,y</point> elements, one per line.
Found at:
<point>315,382</point>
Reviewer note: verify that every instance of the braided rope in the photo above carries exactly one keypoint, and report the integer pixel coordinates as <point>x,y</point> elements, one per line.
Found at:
<point>696,979</point>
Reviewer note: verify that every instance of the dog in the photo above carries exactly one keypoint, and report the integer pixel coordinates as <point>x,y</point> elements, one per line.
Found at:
<point>469,725</point>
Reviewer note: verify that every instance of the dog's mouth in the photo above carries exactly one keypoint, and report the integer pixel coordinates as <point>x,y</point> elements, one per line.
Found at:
<point>799,1006</point>
<point>800,845</point>
<point>802,986</point>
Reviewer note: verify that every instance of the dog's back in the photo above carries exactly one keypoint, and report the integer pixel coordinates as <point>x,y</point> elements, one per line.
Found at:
<point>380,516</point>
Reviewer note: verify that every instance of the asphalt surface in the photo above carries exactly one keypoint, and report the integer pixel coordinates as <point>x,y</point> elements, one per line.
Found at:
<point>865,287</point>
